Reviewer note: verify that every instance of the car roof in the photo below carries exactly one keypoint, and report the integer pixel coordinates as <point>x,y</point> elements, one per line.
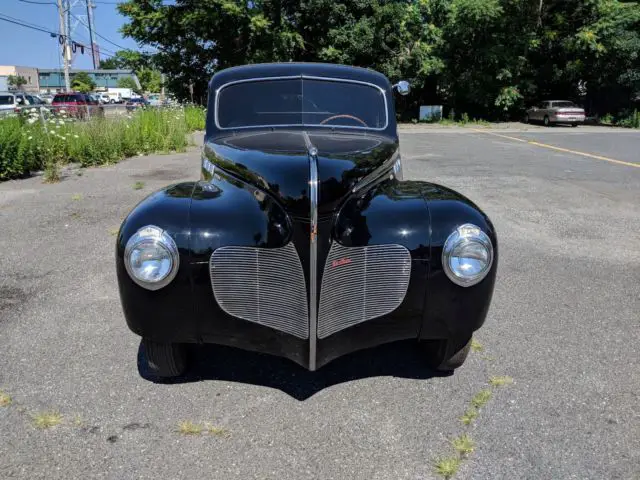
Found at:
<point>328,70</point>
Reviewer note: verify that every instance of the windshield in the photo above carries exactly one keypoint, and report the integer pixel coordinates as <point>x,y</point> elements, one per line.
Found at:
<point>564,104</point>
<point>301,101</point>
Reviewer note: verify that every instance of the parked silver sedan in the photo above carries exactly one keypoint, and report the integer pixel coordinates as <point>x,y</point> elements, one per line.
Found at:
<point>555,111</point>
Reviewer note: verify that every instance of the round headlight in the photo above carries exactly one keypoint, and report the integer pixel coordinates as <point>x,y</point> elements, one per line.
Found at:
<point>467,255</point>
<point>151,258</point>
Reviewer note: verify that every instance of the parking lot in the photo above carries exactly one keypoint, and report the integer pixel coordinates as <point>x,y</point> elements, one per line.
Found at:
<point>564,324</point>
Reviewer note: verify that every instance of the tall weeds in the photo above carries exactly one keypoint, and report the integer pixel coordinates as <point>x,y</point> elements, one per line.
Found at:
<point>27,145</point>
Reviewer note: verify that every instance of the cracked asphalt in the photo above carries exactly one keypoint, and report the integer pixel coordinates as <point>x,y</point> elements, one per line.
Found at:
<point>564,324</point>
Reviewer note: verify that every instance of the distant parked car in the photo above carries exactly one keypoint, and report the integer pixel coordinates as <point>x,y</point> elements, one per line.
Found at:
<point>12,102</point>
<point>556,111</point>
<point>135,103</point>
<point>77,104</point>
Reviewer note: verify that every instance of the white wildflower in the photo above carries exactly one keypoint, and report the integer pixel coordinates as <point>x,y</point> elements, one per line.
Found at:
<point>76,136</point>
<point>30,137</point>
<point>57,126</point>
<point>32,109</point>
<point>63,111</point>
<point>31,121</point>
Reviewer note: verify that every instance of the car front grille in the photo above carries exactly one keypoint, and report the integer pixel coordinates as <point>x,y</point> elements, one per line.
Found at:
<point>267,286</point>
<point>361,283</point>
<point>262,285</point>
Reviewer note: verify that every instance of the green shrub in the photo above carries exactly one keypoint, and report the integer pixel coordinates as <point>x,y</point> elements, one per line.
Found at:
<point>27,145</point>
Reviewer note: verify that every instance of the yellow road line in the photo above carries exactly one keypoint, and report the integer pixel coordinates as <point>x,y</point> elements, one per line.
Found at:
<point>565,150</point>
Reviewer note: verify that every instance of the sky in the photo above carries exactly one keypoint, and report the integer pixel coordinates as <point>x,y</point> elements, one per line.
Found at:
<point>30,48</point>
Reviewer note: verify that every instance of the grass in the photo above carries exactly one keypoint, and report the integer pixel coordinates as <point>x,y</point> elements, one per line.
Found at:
<point>480,399</point>
<point>138,185</point>
<point>189,428</point>
<point>476,346</point>
<point>26,145</point>
<point>469,416</point>
<point>447,467</point>
<point>5,400</point>
<point>45,420</point>
<point>76,197</point>
<point>463,444</point>
<point>217,431</point>
<point>114,231</point>
<point>500,381</point>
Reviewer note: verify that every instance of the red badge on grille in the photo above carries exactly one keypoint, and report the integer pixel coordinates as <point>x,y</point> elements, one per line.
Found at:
<point>340,261</point>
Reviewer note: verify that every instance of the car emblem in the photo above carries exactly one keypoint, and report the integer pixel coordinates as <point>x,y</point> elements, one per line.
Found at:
<point>340,262</point>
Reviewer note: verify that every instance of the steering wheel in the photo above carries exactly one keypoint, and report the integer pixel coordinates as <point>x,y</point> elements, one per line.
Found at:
<point>352,117</point>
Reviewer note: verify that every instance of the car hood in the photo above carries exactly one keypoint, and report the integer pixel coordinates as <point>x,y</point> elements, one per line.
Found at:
<point>278,162</point>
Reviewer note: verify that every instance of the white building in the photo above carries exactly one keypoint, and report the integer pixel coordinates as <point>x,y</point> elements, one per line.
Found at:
<point>29,74</point>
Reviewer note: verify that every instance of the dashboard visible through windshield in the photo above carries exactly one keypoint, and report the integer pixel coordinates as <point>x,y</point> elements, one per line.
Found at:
<point>301,101</point>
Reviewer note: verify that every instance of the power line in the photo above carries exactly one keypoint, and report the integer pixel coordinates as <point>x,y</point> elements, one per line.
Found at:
<point>43,30</point>
<point>37,3</point>
<point>97,34</point>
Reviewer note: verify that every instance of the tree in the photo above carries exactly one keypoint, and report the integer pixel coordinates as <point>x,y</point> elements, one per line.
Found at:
<point>127,59</point>
<point>128,82</point>
<point>16,81</point>
<point>150,80</point>
<point>488,58</point>
<point>82,82</point>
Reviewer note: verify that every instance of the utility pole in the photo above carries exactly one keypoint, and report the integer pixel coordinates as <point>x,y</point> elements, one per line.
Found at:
<point>90,7</point>
<point>66,50</point>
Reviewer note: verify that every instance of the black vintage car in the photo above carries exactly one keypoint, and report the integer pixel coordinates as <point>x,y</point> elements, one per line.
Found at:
<point>300,239</point>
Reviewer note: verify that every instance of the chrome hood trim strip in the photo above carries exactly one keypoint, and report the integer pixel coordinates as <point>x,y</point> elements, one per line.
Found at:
<point>313,250</point>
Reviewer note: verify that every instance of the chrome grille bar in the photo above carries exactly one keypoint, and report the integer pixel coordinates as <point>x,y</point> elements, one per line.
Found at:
<point>262,285</point>
<point>361,283</point>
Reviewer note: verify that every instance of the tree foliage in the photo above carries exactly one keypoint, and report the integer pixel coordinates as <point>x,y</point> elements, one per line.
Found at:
<point>142,64</point>
<point>486,57</point>
<point>16,81</point>
<point>128,82</point>
<point>82,82</point>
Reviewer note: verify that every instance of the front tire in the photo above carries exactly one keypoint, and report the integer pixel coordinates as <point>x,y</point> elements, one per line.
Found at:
<point>165,360</point>
<point>526,118</point>
<point>574,124</point>
<point>546,121</point>
<point>446,355</point>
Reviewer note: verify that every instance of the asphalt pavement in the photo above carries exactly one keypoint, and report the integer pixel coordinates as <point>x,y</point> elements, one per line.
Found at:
<point>564,325</point>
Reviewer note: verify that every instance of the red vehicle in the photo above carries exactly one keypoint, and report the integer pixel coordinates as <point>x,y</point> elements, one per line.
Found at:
<point>77,104</point>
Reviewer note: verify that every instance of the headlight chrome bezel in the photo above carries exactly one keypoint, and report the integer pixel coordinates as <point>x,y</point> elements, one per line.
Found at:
<point>159,238</point>
<point>464,235</point>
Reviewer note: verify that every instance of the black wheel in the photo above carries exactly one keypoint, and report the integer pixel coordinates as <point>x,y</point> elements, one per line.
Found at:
<point>446,355</point>
<point>546,121</point>
<point>165,359</point>
<point>526,118</point>
<point>574,124</point>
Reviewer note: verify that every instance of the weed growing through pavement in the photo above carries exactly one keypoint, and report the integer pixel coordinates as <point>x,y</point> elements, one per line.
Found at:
<point>463,444</point>
<point>45,420</point>
<point>76,197</point>
<point>189,428</point>
<point>500,381</point>
<point>114,231</point>
<point>217,431</point>
<point>469,416</point>
<point>138,185</point>
<point>51,172</point>
<point>5,400</point>
<point>447,467</point>
<point>480,399</point>
<point>476,346</point>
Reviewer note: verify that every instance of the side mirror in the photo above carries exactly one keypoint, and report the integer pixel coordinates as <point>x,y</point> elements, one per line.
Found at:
<point>403,87</point>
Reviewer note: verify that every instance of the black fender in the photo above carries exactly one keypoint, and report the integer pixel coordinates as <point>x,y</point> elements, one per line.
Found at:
<point>453,311</point>
<point>155,314</point>
<point>200,217</point>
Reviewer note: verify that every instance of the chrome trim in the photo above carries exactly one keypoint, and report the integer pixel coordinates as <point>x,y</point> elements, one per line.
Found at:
<point>159,237</point>
<point>262,285</point>
<point>360,284</point>
<point>302,77</point>
<point>465,234</point>
<point>313,250</point>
